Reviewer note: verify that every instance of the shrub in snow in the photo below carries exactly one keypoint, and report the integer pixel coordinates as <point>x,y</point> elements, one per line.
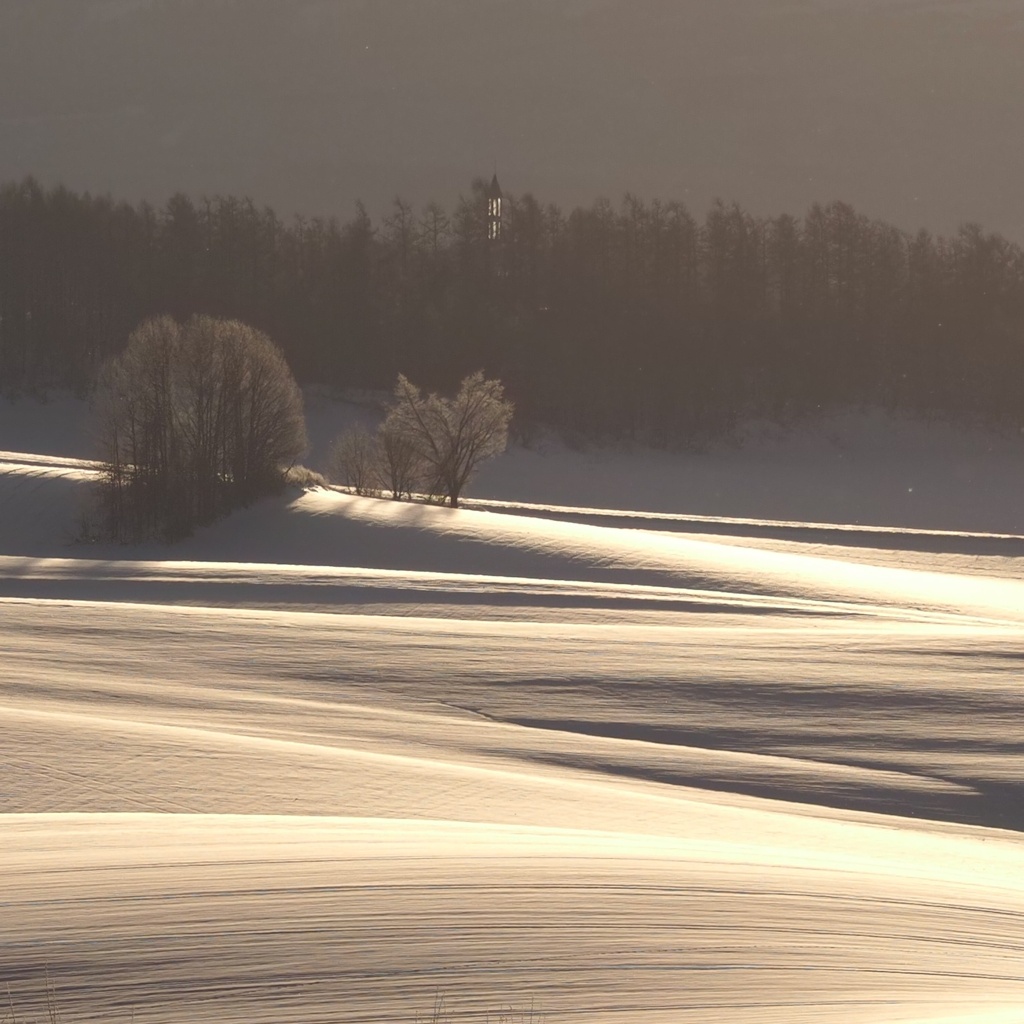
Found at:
<point>304,477</point>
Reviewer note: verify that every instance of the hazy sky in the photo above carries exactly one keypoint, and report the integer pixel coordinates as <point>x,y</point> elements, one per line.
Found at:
<point>913,110</point>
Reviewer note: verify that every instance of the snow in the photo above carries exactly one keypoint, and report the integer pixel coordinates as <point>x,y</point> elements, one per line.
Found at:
<point>859,468</point>
<point>618,760</point>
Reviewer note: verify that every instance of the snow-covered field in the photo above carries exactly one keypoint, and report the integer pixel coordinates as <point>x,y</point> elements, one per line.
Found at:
<point>626,757</point>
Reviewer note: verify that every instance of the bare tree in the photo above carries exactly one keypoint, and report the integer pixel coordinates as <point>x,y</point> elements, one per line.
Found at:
<point>354,461</point>
<point>388,460</point>
<point>400,465</point>
<point>451,437</point>
<point>195,419</point>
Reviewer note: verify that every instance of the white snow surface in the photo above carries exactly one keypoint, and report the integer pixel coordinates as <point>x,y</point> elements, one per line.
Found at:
<point>601,757</point>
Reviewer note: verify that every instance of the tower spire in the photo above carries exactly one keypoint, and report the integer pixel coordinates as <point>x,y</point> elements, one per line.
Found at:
<point>495,201</point>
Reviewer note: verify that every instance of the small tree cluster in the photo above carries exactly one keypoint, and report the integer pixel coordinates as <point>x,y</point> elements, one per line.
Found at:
<point>426,443</point>
<point>196,419</point>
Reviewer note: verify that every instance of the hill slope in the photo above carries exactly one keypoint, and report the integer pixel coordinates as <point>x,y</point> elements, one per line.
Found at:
<point>334,755</point>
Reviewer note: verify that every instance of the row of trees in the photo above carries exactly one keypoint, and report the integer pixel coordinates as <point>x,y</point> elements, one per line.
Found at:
<point>634,320</point>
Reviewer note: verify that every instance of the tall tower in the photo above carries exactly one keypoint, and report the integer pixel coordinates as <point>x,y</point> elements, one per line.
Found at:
<point>495,201</point>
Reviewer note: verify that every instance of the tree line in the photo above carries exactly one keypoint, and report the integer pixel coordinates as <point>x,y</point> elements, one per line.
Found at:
<point>633,320</point>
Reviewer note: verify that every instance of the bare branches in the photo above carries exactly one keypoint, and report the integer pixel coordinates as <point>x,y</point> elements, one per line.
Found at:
<point>452,436</point>
<point>196,419</point>
<point>354,461</point>
<point>426,443</point>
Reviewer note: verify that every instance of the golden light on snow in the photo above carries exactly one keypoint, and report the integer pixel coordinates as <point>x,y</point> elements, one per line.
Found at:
<point>335,755</point>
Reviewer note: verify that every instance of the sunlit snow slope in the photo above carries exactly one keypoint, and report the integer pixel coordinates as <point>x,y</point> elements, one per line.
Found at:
<point>334,756</point>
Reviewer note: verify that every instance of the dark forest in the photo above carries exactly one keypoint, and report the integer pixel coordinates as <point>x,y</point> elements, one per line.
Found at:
<point>634,321</point>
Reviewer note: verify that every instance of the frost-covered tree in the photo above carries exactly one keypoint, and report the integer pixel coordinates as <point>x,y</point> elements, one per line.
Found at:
<point>450,437</point>
<point>196,419</point>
